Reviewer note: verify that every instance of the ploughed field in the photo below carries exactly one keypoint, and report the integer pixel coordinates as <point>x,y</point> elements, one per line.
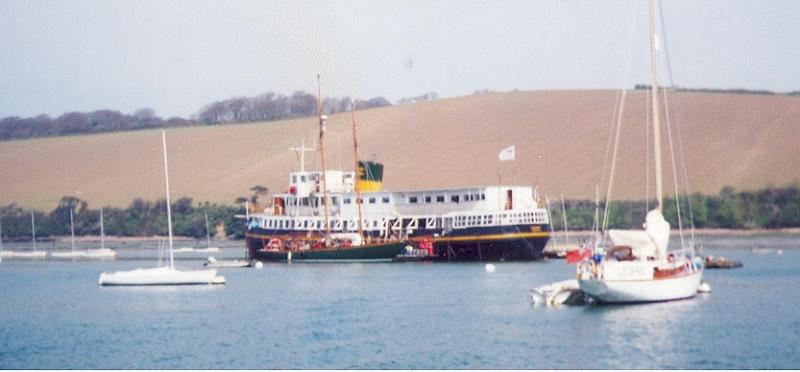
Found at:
<point>561,138</point>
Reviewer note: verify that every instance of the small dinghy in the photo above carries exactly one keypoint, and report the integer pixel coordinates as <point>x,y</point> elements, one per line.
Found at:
<point>207,250</point>
<point>213,262</point>
<point>565,292</point>
<point>722,263</point>
<point>100,253</point>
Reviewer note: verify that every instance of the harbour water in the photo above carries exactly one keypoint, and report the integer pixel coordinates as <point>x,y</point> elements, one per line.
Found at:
<point>401,315</point>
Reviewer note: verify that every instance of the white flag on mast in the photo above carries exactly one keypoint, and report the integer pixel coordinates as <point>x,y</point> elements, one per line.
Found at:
<point>508,153</point>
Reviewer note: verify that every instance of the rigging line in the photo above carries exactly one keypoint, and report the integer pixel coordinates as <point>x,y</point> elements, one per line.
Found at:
<point>564,215</point>
<point>613,162</point>
<point>647,154</point>
<point>621,113</point>
<point>681,149</point>
<point>617,104</point>
<point>674,169</point>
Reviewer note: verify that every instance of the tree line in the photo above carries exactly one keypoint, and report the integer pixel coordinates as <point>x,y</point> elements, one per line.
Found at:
<point>270,106</point>
<point>723,91</point>
<point>766,208</point>
<point>265,107</point>
<point>141,218</point>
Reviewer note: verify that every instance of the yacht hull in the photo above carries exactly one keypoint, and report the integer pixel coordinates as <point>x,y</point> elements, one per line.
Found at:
<point>644,290</point>
<point>28,254</point>
<point>160,276</point>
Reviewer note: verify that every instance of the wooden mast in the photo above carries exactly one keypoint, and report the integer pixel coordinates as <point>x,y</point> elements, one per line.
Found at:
<point>322,156</point>
<point>358,190</point>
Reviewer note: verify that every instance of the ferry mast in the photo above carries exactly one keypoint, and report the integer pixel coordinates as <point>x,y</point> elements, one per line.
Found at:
<point>322,120</point>
<point>358,189</point>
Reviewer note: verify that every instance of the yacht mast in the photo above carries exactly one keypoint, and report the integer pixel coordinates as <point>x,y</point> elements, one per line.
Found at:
<point>72,229</point>
<point>208,233</point>
<point>322,120</point>
<point>169,209</point>
<point>33,231</point>
<point>358,190</point>
<point>654,95</point>
<point>102,233</point>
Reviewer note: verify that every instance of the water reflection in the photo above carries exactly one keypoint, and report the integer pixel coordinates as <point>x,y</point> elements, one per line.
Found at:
<point>643,335</point>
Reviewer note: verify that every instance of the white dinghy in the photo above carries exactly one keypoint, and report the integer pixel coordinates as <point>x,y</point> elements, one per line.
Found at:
<point>213,262</point>
<point>165,275</point>
<point>565,292</point>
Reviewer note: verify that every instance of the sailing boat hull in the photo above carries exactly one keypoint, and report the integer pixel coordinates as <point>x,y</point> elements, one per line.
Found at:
<point>372,252</point>
<point>30,255</point>
<point>101,253</point>
<point>70,254</point>
<point>160,276</point>
<point>645,290</point>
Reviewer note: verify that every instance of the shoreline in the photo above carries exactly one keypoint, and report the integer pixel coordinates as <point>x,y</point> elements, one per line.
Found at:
<point>559,234</point>
<point>706,232</point>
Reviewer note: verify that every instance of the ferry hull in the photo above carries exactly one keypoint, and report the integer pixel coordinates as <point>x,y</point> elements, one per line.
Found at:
<point>508,249</point>
<point>510,243</point>
<point>375,252</point>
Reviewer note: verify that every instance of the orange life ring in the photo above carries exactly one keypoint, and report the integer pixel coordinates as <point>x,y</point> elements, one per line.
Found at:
<point>274,244</point>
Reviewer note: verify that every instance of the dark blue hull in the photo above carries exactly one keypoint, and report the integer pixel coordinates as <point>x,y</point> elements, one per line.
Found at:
<point>490,243</point>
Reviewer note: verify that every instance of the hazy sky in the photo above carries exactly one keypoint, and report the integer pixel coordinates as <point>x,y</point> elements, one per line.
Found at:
<point>175,56</point>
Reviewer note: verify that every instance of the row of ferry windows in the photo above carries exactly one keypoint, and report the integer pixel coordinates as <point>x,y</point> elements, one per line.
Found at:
<point>488,219</point>
<point>453,198</point>
<point>307,224</point>
<point>411,199</point>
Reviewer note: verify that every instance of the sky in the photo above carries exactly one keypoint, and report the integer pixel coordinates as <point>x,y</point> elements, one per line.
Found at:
<point>176,56</point>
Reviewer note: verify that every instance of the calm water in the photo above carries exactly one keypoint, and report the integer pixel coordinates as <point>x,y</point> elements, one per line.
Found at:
<point>409,315</point>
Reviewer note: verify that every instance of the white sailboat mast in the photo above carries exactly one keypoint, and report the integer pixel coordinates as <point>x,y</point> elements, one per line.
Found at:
<point>72,229</point>
<point>208,233</point>
<point>33,231</point>
<point>654,96</point>
<point>169,208</point>
<point>102,233</point>
<point>564,214</point>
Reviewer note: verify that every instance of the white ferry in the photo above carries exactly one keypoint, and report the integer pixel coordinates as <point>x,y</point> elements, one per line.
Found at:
<point>472,223</point>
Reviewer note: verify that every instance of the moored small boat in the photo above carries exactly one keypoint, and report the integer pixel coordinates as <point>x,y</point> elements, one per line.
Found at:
<point>165,275</point>
<point>213,262</point>
<point>722,263</point>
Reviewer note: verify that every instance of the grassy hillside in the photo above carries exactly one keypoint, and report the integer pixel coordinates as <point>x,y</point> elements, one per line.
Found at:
<point>745,141</point>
